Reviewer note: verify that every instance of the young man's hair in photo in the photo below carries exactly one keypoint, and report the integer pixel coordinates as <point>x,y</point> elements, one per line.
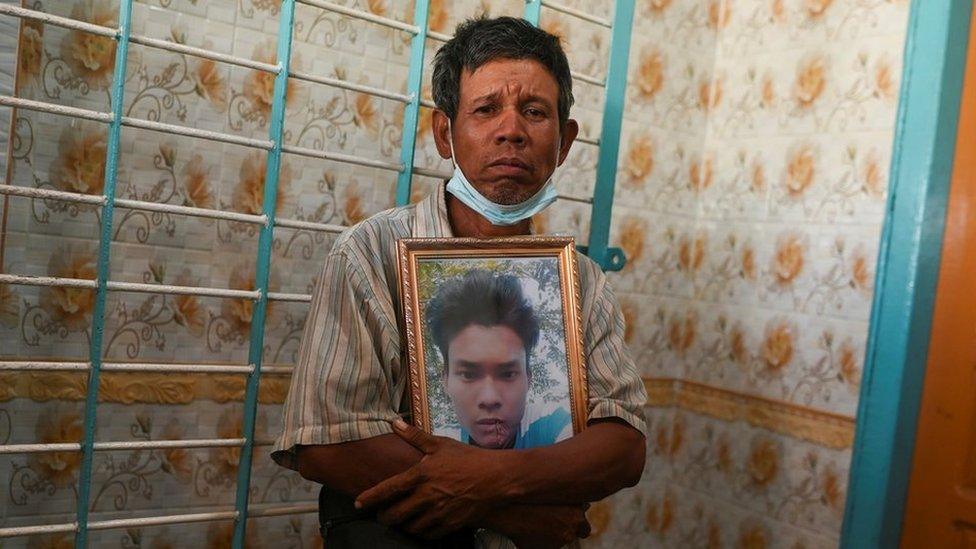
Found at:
<point>484,299</point>
<point>478,41</point>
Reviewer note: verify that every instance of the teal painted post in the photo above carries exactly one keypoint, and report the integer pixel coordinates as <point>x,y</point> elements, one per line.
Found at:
<point>611,259</point>
<point>104,253</point>
<point>533,9</point>
<point>908,266</point>
<point>263,268</point>
<point>411,110</point>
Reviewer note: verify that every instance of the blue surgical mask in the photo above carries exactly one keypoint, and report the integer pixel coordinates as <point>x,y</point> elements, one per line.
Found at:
<point>497,214</point>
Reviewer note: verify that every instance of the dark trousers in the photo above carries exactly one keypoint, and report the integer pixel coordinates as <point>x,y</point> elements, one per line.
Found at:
<point>343,526</point>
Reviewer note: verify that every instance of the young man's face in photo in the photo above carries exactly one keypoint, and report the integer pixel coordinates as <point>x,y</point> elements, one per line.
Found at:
<point>487,382</point>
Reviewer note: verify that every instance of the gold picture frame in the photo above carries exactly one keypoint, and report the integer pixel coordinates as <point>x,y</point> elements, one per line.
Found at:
<point>554,361</point>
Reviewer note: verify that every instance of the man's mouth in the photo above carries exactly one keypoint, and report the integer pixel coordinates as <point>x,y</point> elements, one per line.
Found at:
<point>510,164</point>
<point>489,421</point>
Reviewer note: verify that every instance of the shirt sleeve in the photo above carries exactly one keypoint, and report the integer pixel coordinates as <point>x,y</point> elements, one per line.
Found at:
<point>342,388</point>
<point>615,387</point>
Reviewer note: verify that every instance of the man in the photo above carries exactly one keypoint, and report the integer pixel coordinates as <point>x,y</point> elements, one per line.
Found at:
<point>486,330</point>
<point>503,92</point>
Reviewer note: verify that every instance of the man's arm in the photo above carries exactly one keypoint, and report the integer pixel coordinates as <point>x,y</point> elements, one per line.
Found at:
<point>352,467</point>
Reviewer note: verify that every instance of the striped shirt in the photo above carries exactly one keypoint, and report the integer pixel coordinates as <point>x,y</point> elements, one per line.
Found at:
<point>351,376</point>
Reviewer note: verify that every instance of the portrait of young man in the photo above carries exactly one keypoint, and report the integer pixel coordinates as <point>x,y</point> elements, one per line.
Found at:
<point>503,93</point>
<point>486,330</point>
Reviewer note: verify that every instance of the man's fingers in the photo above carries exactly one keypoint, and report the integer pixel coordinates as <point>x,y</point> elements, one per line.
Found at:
<point>424,526</point>
<point>414,436</point>
<point>401,511</point>
<point>392,488</point>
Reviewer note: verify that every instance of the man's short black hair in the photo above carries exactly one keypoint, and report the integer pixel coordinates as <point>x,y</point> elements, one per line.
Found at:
<point>478,41</point>
<point>484,299</point>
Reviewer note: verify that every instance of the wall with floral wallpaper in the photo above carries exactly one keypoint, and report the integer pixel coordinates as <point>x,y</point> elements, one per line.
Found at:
<point>749,199</point>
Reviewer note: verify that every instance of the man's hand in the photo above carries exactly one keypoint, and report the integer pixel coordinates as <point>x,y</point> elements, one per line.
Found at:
<point>541,526</point>
<point>452,487</point>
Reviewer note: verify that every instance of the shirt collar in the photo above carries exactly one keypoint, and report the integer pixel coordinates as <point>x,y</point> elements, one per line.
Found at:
<point>432,220</point>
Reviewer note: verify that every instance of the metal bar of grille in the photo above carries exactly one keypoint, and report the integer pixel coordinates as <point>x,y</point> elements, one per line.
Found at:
<point>363,15</point>
<point>343,84</point>
<point>262,270</point>
<point>104,250</point>
<point>577,13</point>
<point>412,110</point>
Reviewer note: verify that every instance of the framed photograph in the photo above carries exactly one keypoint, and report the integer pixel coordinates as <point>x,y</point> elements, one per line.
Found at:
<point>494,339</point>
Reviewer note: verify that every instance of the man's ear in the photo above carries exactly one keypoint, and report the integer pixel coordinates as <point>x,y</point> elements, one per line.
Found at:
<point>442,133</point>
<point>567,136</point>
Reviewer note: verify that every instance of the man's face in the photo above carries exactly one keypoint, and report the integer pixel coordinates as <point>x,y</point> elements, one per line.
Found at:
<point>487,381</point>
<point>506,133</point>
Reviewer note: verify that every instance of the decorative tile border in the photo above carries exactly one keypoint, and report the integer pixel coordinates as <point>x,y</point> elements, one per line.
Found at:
<point>824,428</point>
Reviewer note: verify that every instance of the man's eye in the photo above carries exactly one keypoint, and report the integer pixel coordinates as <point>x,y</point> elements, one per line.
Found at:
<point>535,113</point>
<point>509,375</point>
<point>467,376</point>
<point>484,109</point>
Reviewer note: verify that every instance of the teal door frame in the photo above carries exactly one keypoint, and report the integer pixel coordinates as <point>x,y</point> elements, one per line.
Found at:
<point>907,272</point>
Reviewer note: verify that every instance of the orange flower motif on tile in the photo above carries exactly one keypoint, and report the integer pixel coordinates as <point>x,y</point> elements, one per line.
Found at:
<point>226,459</point>
<point>377,7</point>
<point>352,207</point>
<point>176,461</point>
<point>91,57</point>
<point>861,277</point>
<point>365,114</point>
<point>700,174</point>
<point>788,260</point>
<point>801,170</point>
<point>80,165</point>
<point>757,177</point>
<point>815,9</point>
<point>9,306</point>
<point>768,91</point>
<point>778,346</point>
<point>71,307</point>
<point>752,535</point>
<point>677,439</point>
<point>30,51</point>
<point>748,263</point>
<point>632,237</point>
<point>555,26</point>
<point>778,11</point>
<point>540,223</point>
<point>884,80</point>
<point>691,253</point>
<point>810,82</point>
<point>872,174</point>
<point>763,462</point>
<point>650,74</point>
<point>682,333</point>
<point>249,194</point>
<point>832,490</point>
<point>657,7</point>
<point>220,535</point>
<point>848,364</point>
<point>599,515</point>
<point>719,13</point>
<point>710,94</point>
<point>52,541</point>
<point>259,85</point>
<point>738,348</point>
<point>629,312</point>
<point>209,84</point>
<point>54,426</point>
<point>187,311</point>
<point>640,161</point>
<point>660,515</point>
<point>438,16</point>
<point>196,183</point>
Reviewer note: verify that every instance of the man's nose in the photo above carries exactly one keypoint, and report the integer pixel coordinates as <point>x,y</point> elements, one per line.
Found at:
<point>511,127</point>
<point>488,396</point>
